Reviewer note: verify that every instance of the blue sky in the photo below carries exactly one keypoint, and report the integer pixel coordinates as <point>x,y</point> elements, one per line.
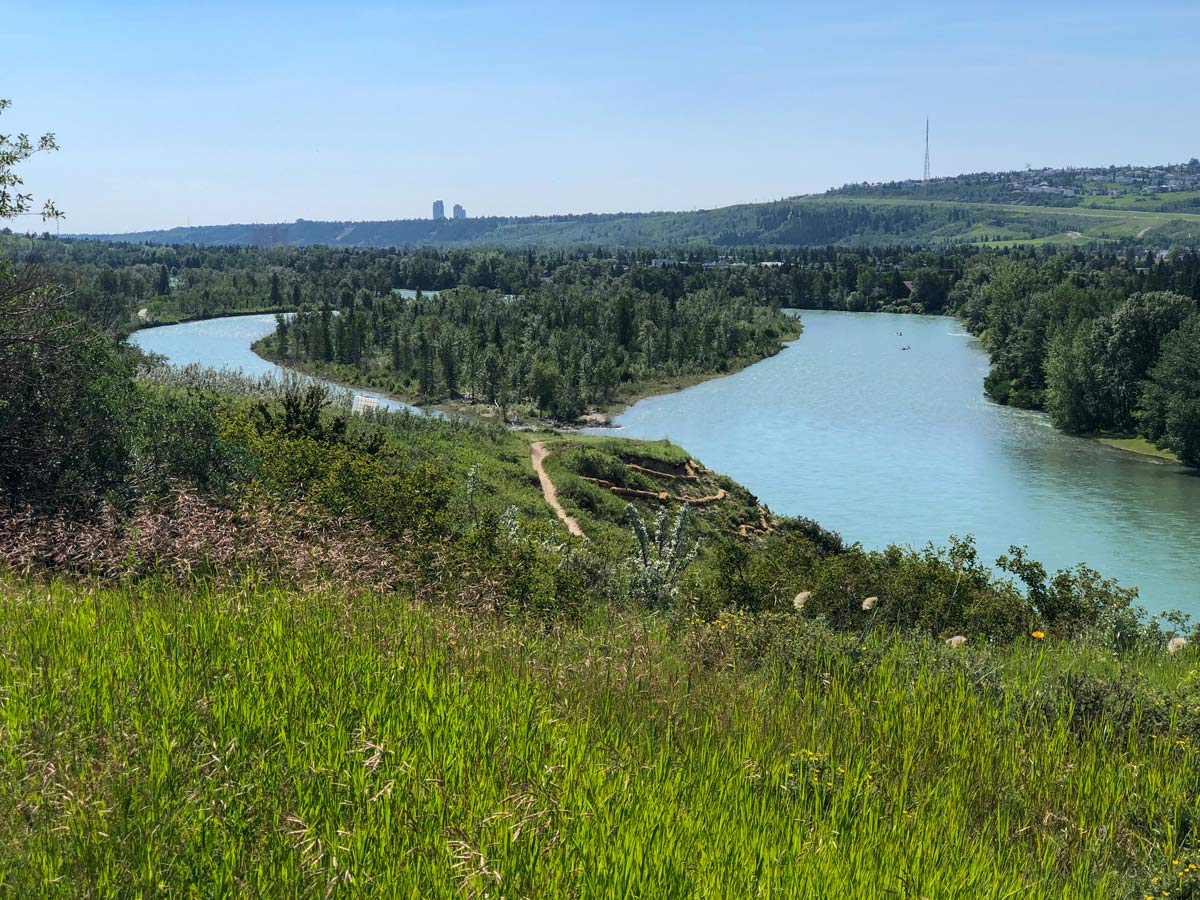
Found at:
<point>256,112</point>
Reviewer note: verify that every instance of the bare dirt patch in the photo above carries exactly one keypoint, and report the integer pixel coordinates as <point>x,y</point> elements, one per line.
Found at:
<point>538,454</point>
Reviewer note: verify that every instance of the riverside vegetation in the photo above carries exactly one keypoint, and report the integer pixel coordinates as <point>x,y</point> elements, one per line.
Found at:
<point>1101,338</point>
<point>252,644</point>
<point>582,342</point>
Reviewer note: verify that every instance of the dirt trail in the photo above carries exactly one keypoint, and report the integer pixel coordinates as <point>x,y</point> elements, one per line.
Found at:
<point>538,453</point>
<point>1142,233</point>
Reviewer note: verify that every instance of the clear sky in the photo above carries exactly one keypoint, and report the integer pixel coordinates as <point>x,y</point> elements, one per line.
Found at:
<point>261,112</point>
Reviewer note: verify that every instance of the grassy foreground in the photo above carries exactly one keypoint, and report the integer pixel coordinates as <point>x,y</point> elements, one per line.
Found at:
<point>158,741</point>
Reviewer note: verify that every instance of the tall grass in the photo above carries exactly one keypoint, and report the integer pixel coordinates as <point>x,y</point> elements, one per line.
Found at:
<point>255,742</point>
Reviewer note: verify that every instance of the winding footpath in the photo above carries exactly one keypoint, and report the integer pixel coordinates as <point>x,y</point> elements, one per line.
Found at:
<point>538,454</point>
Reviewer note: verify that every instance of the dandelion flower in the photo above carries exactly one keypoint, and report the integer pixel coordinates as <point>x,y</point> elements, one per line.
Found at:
<point>870,602</point>
<point>1037,635</point>
<point>955,642</point>
<point>1175,644</point>
<point>801,598</point>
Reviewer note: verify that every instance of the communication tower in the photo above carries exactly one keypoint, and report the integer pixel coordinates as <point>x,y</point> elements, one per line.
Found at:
<point>926,148</point>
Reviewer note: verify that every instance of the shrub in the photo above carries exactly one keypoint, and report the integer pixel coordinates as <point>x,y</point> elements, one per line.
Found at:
<point>185,536</point>
<point>64,408</point>
<point>660,557</point>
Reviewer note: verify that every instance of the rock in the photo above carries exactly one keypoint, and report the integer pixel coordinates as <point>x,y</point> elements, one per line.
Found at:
<point>801,598</point>
<point>955,642</point>
<point>1175,644</point>
<point>870,602</point>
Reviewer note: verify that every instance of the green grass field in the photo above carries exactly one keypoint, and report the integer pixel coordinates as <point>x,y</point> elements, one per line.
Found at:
<point>999,225</point>
<point>256,742</point>
<point>1139,201</point>
<point>1151,216</point>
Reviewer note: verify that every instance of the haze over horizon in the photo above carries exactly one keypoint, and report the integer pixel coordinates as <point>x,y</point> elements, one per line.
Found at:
<point>171,115</point>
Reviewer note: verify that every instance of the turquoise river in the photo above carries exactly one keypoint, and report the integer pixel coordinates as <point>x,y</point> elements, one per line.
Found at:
<point>892,445</point>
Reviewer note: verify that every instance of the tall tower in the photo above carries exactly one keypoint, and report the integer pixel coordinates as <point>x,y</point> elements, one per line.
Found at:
<point>926,148</point>
<point>439,210</point>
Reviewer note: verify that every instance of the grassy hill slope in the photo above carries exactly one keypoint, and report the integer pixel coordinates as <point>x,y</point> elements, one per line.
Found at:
<point>359,656</point>
<point>809,221</point>
<point>268,743</point>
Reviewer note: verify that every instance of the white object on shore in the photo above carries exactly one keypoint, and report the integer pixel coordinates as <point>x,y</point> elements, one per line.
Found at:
<point>801,598</point>
<point>955,642</point>
<point>1175,644</point>
<point>362,403</point>
<point>870,602</point>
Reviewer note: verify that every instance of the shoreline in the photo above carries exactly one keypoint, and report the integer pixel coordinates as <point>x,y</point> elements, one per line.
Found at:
<point>682,382</point>
<point>1132,443</point>
<point>601,417</point>
<point>429,409</point>
<point>466,408</point>
<point>205,317</point>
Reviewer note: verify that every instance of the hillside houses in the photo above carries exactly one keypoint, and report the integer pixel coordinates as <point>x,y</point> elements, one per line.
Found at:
<point>1069,183</point>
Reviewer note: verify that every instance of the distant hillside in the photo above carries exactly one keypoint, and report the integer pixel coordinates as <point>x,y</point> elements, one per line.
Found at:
<point>1156,207</point>
<point>1173,187</point>
<point>793,222</point>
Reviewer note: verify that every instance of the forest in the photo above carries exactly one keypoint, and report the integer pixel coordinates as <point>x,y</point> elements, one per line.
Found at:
<point>578,343</point>
<point>1101,352</point>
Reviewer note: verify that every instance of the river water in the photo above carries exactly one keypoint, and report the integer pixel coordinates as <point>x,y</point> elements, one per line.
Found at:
<point>224,343</point>
<point>888,445</point>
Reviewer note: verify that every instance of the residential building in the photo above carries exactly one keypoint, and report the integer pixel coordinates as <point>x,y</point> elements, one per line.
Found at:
<point>439,209</point>
<point>459,212</point>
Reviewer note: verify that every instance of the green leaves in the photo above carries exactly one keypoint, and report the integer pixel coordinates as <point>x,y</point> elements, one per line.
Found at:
<point>661,556</point>
<point>16,149</point>
<point>1169,412</point>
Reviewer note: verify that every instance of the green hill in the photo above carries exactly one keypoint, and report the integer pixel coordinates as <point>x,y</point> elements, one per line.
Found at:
<point>791,222</point>
<point>805,222</point>
<point>274,743</point>
<point>1157,206</point>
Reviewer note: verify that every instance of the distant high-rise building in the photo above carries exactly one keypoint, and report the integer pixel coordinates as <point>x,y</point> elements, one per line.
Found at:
<point>459,212</point>
<point>439,209</point>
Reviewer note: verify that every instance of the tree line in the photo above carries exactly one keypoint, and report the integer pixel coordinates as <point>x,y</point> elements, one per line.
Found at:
<point>1057,323</point>
<point>583,340</point>
<point>1102,348</point>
